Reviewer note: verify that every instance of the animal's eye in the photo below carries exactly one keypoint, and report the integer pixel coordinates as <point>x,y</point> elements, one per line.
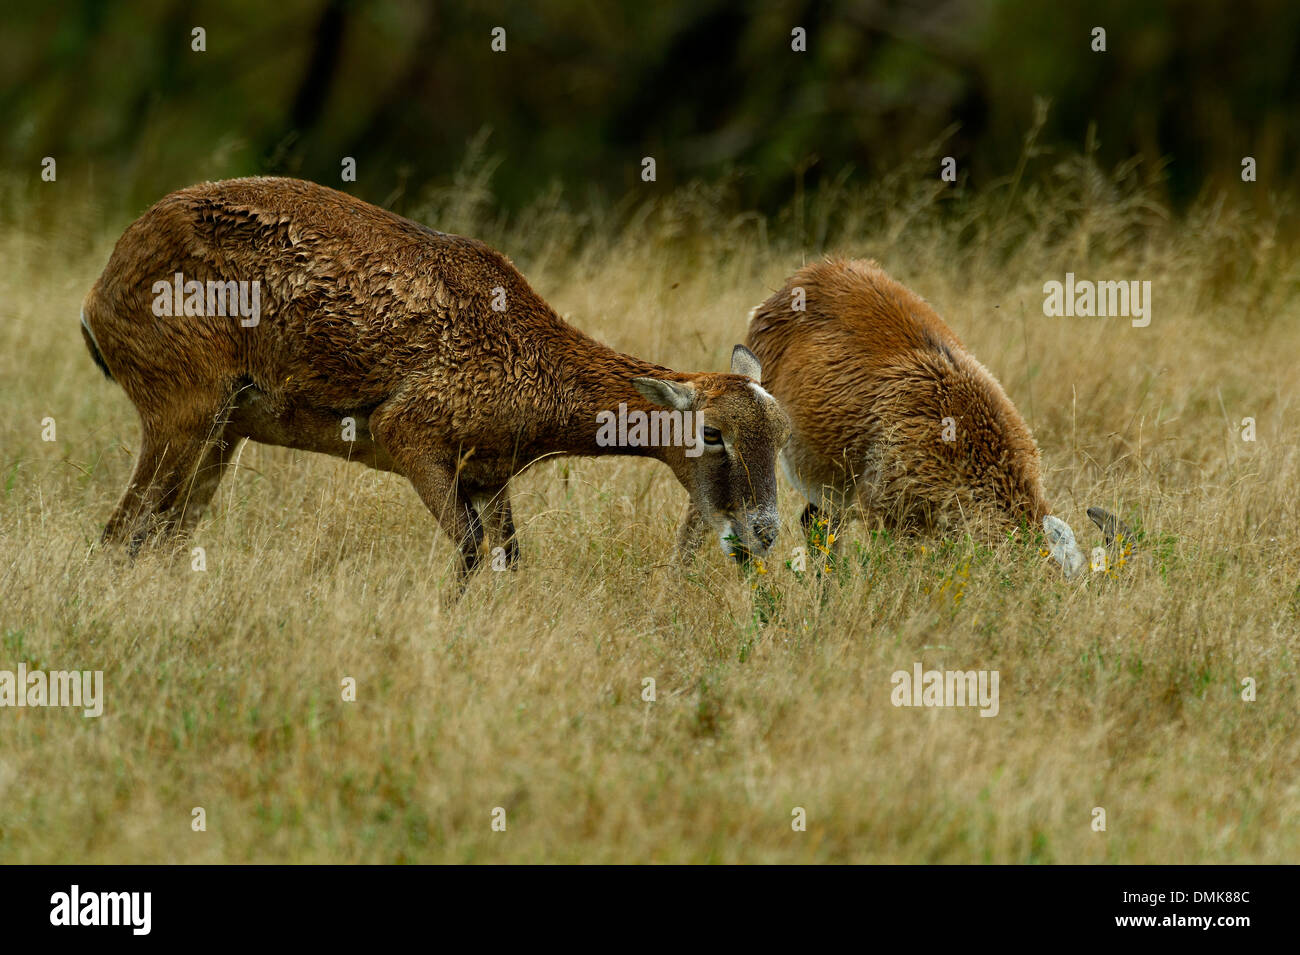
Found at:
<point>712,436</point>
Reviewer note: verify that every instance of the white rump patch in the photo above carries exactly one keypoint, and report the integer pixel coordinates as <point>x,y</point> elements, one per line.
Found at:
<point>90,331</point>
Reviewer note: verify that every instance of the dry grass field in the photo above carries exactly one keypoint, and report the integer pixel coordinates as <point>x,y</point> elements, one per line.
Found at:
<point>1122,691</point>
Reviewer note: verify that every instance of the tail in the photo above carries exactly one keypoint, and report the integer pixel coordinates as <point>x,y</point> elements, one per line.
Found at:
<point>93,345</point>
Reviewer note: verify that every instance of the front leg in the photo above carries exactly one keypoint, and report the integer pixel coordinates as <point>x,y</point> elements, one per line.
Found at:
<point>821,526</point>
<point>690,534</point>
<point>434,472</point>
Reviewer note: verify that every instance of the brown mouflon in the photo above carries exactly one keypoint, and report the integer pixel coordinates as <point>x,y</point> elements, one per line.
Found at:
<point>891,413</point>
<point>296,315</point>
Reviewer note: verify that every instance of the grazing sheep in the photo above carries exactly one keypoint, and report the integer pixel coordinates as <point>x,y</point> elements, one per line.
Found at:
<point>890,412</point>
<point>296,315</point>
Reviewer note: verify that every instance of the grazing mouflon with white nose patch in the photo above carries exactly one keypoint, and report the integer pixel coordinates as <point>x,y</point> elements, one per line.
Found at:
<point>380,340</point>
<point>891,413</point>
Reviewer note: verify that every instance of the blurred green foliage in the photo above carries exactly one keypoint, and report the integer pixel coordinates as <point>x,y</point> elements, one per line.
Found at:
<point>586,89</point>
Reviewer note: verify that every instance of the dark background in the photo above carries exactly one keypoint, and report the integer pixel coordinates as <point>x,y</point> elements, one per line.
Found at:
<point>585,89</point>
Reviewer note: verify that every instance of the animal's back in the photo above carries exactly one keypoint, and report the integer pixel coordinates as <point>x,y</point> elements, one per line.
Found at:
<point>352,297</point>
<point>843,350</point>
<point>869,374</point>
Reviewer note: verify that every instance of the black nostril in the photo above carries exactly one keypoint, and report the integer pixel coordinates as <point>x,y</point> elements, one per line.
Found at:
<point>765,533</point>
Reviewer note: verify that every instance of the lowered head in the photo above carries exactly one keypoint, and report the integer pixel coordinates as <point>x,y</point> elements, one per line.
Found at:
<point>730,471</point>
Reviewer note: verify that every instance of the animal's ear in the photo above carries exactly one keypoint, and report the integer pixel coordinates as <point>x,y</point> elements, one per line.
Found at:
<point>745,362</point>
<point>666,394</point>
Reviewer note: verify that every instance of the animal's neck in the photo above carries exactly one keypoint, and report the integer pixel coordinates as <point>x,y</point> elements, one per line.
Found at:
<point>603,400</point>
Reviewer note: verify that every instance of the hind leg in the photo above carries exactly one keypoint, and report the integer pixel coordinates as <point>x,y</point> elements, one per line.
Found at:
<point>493,504</point>
<point>171,448</point>
<point>166,461</point>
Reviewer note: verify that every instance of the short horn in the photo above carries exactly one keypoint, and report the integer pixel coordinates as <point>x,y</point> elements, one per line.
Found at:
<point>1115,530</point>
